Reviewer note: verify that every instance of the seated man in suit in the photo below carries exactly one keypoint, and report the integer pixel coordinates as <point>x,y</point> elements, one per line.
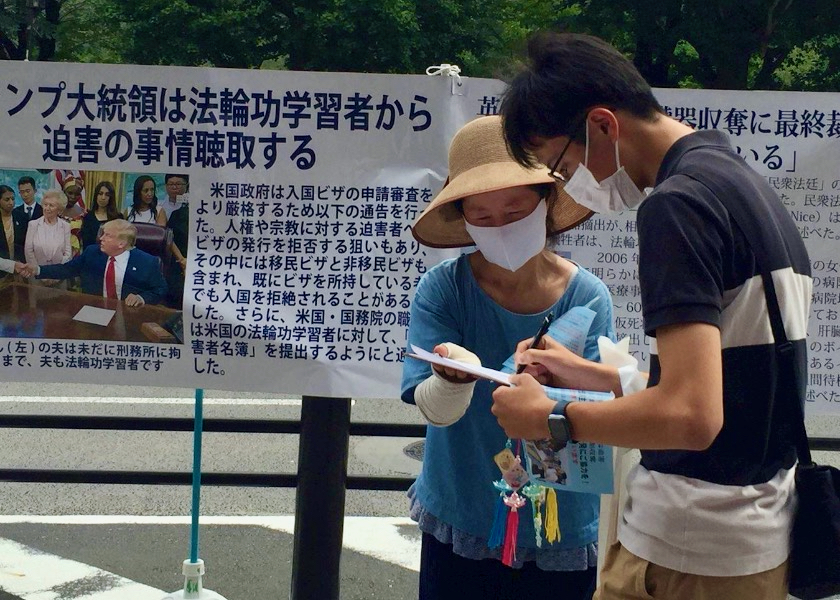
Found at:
<point>114,268</point>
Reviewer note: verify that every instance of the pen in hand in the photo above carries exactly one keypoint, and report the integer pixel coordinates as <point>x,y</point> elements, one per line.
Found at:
<point>537,338</point>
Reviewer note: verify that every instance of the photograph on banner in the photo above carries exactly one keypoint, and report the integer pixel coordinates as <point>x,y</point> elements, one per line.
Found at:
<point>79,284</point>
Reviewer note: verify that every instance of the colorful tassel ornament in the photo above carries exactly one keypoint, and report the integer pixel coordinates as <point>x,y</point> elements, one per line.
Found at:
<point>514,502</point>
<point>552,523</point>
<point>497,532</point>
<point>535,493</point>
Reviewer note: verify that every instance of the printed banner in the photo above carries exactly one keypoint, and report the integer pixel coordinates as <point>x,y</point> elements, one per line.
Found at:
<point>287,197</point>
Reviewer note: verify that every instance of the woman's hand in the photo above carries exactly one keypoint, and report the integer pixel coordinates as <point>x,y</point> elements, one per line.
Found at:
<point>455,352</point>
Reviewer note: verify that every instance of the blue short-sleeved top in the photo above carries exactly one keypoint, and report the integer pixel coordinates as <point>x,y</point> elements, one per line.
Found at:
<point>454,490</point>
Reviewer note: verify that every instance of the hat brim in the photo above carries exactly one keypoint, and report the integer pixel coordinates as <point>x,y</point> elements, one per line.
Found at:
<point>441,224</point>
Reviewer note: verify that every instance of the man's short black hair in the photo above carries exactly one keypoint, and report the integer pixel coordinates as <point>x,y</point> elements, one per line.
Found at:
<point>567,75</point>
<point>169,176</point>
<point>27,179</point>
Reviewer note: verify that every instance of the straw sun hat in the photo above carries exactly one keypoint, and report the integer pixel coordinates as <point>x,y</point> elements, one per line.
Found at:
<point>479,162</point>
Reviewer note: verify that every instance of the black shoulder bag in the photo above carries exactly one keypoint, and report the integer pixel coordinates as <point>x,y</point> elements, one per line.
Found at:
<point>815,543</point>
<point>815,537</point>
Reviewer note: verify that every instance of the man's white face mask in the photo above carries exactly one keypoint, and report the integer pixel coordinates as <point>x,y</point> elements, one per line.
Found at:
<point>614,194</point>
<point>511,246</point>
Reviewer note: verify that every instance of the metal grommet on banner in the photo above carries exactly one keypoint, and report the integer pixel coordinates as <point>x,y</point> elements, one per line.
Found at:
<point>447,70</point>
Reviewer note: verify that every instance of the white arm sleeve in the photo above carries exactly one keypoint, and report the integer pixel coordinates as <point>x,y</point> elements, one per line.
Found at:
<point>443,402</point>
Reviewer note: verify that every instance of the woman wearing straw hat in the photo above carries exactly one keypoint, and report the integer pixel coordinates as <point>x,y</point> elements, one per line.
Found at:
<point>477,308</point>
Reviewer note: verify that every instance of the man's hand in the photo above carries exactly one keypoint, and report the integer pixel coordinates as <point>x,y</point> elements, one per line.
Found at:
<point>554,365</point>
<point>134,300</point>
<point>550,363</point>
<point>522,410</point>
<point>24,270</point>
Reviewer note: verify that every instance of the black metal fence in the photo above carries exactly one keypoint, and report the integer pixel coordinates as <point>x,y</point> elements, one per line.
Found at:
<point>324,428</point>
<point>354,482</point>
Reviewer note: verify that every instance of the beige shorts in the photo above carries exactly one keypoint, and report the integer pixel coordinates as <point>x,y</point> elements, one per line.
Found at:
<point>628,577</point>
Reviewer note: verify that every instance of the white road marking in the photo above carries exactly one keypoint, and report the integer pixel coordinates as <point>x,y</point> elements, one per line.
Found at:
<point>34,575</point>
<point>378,537</point>
<point>381,539</point>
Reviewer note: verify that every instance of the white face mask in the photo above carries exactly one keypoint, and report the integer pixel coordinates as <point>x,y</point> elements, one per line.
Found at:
<point>614,194</point>
<point>511,246</point>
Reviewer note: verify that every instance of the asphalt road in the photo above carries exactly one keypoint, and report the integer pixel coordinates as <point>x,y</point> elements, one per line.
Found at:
<point>127,542</point>
<point>246,533</point>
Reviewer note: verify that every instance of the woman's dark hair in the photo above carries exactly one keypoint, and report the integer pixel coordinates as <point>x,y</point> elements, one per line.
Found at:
<point>547,192</point>
<point>137,201</point>
<point>111,209</point>
<point>4,189</point>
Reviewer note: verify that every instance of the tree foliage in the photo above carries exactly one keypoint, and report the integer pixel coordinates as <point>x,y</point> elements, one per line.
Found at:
<point>90,31</point>
<point>28,32</point>
<point>222,33</point>
<point>720,44</point>
<point>750,44</point>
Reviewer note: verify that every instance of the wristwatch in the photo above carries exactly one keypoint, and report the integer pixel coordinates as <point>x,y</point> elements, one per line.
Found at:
<point>558,425</point>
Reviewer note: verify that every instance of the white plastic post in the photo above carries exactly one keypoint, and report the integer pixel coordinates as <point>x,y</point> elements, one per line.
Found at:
<point>193,588</point>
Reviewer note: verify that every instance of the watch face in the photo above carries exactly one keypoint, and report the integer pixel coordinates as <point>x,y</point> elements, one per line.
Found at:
<point>558,427</point>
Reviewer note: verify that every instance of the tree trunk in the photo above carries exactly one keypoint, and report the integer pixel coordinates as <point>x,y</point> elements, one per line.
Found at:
<point>23,42</point>
<point>46,44</point>
<point>655,25</point>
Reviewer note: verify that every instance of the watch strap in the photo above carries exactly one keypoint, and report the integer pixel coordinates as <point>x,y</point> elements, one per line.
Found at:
<point>560,409</point>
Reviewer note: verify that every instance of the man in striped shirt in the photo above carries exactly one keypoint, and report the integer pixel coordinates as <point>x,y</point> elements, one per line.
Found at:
<point>711,504</point>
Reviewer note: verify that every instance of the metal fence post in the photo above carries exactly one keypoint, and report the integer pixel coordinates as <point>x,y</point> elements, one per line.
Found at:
<point>319,502</point>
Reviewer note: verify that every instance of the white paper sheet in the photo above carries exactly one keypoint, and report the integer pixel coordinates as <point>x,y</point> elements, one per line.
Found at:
<point>95,315</point>
<point>478,371</point>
